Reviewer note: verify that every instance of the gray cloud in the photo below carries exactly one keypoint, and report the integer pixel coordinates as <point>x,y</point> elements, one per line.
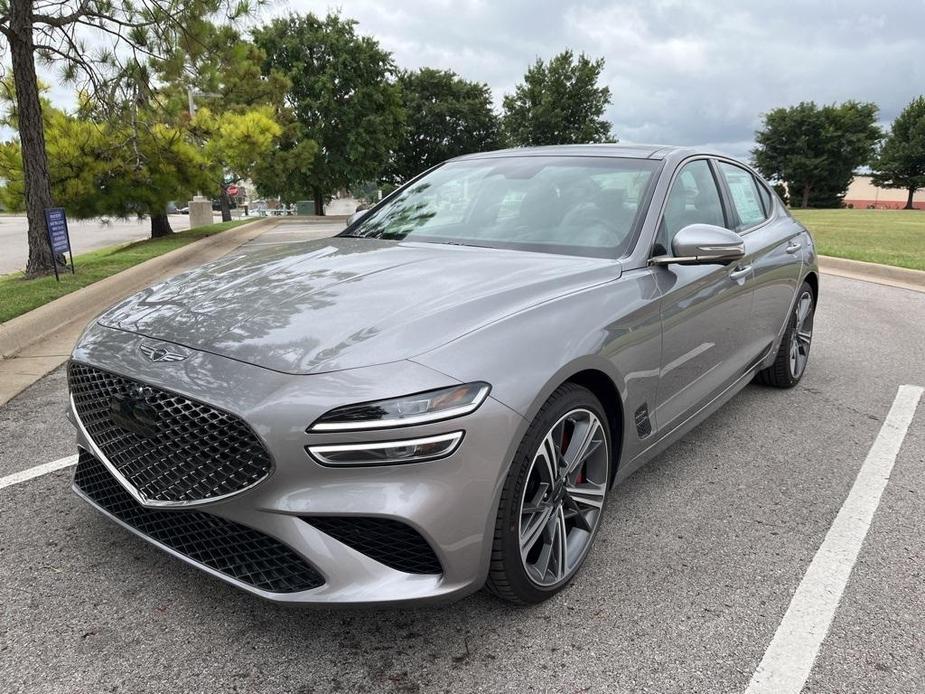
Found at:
<point>681,71</point>
<point>690,72</point>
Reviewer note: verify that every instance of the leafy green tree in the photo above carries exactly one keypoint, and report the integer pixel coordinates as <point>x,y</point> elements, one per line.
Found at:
<point>129,166</point>
<point>167,165</point>
<point>343,97</point>
<point>232,108</point>
<point>225,75</point>
<point>816,150</point>
<point>162,159</point>
<point>236,142</point>
<point>558,103</point>
<point>901,161</point>
<point>92,171</point>
<point>75,164</point>
<point>287,169</point>
<point>446,116</point>
<point>128,34</point>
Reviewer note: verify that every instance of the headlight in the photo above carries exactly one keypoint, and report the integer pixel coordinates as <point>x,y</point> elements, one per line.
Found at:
<point>421,408</point>
<point>387,452</point>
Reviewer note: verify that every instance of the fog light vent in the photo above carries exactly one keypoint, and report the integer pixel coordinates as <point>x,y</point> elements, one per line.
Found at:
<point>390,542</point>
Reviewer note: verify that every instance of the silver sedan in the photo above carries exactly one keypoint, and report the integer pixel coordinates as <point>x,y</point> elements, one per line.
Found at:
<point>441,397</point>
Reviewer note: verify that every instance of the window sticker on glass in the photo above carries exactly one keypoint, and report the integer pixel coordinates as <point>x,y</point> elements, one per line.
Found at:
<point>744,195</point>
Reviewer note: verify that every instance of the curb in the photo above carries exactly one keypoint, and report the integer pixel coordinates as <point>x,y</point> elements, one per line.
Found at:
<point>904,278</point>
<point>80,306</point>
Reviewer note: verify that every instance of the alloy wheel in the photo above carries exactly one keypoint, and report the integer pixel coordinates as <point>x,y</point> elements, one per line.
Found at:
<point>802,336</point>
<point>563,496</point>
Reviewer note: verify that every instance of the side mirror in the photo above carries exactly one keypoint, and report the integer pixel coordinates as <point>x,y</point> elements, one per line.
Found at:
<point>703,244</point>
<point>356,216</point>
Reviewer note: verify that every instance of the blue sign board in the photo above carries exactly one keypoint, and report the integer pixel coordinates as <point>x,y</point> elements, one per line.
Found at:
<point>58,237</point>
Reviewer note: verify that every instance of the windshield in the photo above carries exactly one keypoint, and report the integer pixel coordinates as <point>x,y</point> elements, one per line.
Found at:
<point>567,205</point>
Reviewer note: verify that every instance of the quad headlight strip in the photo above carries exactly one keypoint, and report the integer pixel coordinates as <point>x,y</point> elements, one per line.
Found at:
<point>387,452</point>
<point>409,410</point>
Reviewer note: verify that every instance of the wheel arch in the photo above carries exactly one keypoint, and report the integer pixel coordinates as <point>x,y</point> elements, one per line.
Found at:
<point>812,278</point>
<point>604,388</point>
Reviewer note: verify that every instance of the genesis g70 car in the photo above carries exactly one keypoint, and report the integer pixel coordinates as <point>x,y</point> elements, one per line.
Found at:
<point>441,397</point>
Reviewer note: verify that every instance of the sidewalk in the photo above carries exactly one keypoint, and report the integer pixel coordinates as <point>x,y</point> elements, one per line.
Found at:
<point>38,342</point>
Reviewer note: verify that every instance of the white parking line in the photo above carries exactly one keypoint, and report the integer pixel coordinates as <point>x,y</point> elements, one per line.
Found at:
<point>790,656</point>
<point>36,471</point>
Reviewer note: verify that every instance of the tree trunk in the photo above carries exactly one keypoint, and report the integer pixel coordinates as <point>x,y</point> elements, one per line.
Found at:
<point>36,183</point>
<point>160,226</point>
<point>909,205</point>
<point>806,188</point>
<point>226,205</point>
<point>319,203</point>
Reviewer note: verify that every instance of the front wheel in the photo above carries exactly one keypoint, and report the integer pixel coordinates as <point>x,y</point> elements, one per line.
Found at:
<point>792,356</point>
<point>553,498</point>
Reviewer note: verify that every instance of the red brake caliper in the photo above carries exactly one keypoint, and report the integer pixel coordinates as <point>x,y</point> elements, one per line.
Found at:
<point>566,439</point>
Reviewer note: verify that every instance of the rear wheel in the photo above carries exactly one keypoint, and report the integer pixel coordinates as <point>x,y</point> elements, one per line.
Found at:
<point>792,356</point>
<point>553,498</point>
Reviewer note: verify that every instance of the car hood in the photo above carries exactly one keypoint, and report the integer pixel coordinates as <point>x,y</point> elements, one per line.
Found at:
<point>343,302</point>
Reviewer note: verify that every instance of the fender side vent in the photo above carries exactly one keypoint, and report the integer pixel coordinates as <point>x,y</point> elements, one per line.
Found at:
<point>643,423</point>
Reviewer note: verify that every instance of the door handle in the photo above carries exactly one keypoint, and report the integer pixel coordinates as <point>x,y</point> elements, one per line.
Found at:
<point>740,271</point>
<point>793,247</point>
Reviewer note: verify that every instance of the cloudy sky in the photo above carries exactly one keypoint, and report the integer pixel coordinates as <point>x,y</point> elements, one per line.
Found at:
<point>692,72</point>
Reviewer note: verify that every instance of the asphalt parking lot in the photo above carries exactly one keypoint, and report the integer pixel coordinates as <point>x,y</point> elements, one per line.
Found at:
<point>698,559</point>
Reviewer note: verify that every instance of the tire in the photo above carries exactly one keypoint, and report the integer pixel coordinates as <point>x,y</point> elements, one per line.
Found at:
<point>793,354</point>
<point>569,507</point>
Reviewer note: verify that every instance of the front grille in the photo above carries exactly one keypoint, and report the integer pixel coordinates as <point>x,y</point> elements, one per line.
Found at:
<point>168,447</point>
<point>390,542</point>
<point>235,550</point>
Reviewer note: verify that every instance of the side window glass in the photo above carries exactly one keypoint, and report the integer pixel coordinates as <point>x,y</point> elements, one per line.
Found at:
<point>765,195</point>
<point>744,192</point>
<point>693,199</point>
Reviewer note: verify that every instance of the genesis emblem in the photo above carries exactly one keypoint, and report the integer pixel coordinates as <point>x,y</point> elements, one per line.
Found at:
<point>162,353</point>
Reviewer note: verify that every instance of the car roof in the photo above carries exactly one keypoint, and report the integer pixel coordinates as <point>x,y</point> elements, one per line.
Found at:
<point>595,150</point>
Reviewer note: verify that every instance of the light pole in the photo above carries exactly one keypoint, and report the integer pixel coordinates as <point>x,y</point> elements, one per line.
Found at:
<point>200,208</point>
<point>191,95</point>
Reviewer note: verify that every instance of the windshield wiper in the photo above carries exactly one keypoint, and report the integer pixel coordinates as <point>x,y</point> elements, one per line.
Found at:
<point>459,243</point>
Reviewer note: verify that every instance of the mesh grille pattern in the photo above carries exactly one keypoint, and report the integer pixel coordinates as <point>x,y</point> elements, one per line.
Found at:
<point>170,448</point>
<point>387,541</point>
<point>234,550</point>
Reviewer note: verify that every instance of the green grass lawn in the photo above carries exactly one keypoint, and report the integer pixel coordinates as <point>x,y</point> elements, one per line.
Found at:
<point>891,237</point>
<point>19,295</point>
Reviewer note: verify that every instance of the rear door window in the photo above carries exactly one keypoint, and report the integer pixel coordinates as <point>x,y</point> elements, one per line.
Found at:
<point>745,197</point>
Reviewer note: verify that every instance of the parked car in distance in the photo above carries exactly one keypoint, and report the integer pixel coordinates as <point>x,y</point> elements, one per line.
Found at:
<point>441,397</point>
<point>217,204</point>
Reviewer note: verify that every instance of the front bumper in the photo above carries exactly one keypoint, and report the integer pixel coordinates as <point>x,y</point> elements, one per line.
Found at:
<point>450,502</point>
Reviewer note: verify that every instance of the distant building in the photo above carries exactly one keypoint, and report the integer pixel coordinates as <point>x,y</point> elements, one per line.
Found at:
<point>863,194</point>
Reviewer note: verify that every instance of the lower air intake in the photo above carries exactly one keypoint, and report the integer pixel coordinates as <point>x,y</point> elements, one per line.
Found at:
<point>232,549</point>
<point>389,542</point>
